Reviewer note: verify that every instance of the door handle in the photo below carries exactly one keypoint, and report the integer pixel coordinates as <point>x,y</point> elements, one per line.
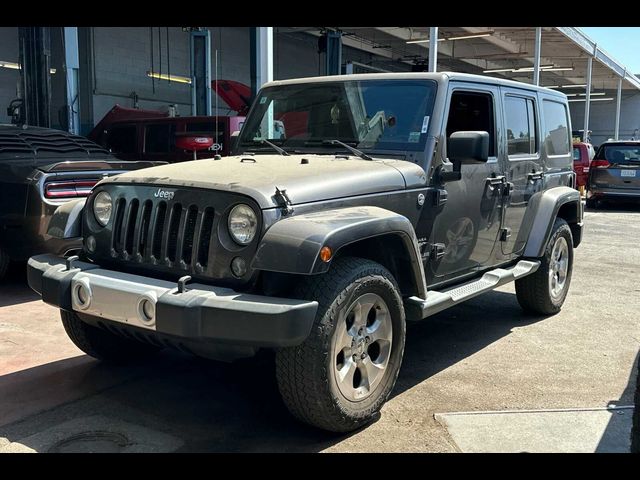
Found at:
<point>494,182</point>
<point>534,176</point>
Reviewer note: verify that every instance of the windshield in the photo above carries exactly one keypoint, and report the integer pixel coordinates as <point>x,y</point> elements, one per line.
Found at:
<point>366,114</point>
<point>620,154</point>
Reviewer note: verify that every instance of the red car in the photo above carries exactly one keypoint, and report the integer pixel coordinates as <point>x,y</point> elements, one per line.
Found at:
<point>582,155</point>
<point>138,134</point>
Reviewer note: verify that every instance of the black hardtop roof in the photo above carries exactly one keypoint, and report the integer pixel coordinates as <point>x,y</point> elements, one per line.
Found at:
<point>28,141</point>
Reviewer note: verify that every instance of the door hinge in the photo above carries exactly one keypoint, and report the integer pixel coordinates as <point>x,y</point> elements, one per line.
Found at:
<point>284,202</point>
<point>437,251</point>
<point>505,233</point>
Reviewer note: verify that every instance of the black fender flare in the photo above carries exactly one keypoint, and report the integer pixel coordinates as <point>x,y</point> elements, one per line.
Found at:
<point>292,245</point>
<point>542,211</point>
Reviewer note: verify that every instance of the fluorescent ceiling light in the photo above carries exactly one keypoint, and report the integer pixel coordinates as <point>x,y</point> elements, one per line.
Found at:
<point>597,94</point>
<point>521,69</point>
<point>498,70</point>
<point>172,78</point>
<point>591,100</point>
<point>459,37</point>
<point>16,66</point>
<point>582,85</point>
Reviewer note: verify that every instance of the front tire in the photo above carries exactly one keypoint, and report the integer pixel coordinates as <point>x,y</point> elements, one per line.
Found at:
<point>343,373</point>
<point>545,290</point>
<point>102,344</point>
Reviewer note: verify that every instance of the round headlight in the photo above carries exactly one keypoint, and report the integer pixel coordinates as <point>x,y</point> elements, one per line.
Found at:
<point>242,224</point>
<point>102,208</point>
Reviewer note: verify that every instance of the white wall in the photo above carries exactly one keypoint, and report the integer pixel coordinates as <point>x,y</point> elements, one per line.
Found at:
<point>602,117</point>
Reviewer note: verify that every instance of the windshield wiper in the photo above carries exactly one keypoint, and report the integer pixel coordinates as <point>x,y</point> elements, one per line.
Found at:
<point>281,151</point>
<point>355,151</point>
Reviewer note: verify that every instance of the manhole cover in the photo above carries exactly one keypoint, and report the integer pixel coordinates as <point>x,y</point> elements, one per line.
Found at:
<point>91,442</point>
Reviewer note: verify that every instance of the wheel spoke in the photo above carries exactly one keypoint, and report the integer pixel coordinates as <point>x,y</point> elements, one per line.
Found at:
<point>343,336</point>
<point>345,374</point>
<point>381,328</point>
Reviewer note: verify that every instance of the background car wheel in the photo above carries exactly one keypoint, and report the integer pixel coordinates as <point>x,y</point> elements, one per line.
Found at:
<point>102,344</point>
<point>545,290</point>
<point>4,264</point>
<point>343,373</point>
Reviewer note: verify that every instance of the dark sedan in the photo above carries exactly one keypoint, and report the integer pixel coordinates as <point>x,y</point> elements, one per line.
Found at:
<point>41,169</point>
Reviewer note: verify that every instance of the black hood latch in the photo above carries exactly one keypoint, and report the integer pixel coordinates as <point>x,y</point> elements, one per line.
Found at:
<point>283,201</point>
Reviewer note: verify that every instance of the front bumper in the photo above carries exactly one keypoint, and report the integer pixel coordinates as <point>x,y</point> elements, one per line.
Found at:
<point>201,312</point>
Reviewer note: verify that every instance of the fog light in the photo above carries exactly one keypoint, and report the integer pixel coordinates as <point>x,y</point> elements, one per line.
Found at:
<point>147,310</point>
<point>91,243</point>
<point>238,266</point>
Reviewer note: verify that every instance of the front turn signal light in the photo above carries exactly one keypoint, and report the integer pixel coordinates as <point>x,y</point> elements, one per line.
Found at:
<point>325,254</point>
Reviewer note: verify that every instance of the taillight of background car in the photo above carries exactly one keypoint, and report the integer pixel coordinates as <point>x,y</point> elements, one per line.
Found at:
<point>600,163</point>
<point>68,189</point>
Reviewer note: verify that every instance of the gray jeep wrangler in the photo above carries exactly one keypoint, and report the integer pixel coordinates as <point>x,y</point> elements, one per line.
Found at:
<point>351,205</point>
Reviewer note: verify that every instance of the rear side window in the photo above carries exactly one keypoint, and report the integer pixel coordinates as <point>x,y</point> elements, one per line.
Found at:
<point>159,138</point>
<point>556,128</point>
<point>521,126</point>
<point>122,139</point>
<point>576,154</point>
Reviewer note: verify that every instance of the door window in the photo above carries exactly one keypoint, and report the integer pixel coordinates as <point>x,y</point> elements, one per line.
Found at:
<point>472,111</point>
<point>556,128</point>
<point>521,127</point>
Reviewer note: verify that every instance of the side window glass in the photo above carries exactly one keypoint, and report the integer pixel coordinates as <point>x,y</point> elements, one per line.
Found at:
<point>556,128</point>
<point>520,123</point>
<point>471,111</point>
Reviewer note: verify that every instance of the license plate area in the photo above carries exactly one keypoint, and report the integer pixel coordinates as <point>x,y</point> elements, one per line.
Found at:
<point>627,173</point>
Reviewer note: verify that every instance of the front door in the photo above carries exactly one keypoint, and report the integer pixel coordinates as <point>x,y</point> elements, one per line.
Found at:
<point>523,163</point>
<point>468,226</point>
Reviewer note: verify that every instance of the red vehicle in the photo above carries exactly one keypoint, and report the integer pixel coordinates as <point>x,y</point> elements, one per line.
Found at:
<point>582,155</point>
<point>138,134</point>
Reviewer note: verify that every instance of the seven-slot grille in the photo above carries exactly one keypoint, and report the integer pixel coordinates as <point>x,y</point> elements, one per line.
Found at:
<point>160,233</point>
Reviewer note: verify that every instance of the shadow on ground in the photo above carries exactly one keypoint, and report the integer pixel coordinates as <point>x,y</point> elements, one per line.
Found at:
<point>14,289</point>
<point>214,406</point>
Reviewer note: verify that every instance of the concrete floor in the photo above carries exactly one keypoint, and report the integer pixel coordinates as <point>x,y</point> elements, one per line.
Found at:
<point>485,355</point>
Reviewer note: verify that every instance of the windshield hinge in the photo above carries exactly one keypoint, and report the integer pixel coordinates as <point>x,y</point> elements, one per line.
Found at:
<point>284,202</point>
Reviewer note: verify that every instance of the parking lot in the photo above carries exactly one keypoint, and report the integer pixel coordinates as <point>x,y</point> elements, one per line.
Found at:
<point>485,355</point>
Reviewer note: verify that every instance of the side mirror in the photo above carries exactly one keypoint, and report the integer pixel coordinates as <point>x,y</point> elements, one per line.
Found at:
<point>468,147</point>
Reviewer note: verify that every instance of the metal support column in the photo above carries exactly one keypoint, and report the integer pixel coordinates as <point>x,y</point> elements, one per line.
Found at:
<point>72,64</point>
<point>618,100</point>
<point>433,49</point>
<point>536,57</point>
<point>35,63</point>
<point>200,48</point>
<point>333,57</point>
<point>587,100</point>
<point>262,57</point>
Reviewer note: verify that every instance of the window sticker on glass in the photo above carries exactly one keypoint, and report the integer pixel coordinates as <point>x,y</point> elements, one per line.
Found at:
<point>414,137</point>
<point>425,124</point>
<point>263,100</point>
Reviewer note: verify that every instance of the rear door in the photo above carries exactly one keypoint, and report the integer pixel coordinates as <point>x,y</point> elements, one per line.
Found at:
<point>523,161</point>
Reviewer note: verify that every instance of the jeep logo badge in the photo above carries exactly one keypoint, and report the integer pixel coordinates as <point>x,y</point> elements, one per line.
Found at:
<point>168,194</point>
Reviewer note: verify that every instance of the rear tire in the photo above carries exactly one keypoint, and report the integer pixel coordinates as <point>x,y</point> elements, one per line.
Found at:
<point>343,373</point>
<point>545,290</point>
<point>102,344</point>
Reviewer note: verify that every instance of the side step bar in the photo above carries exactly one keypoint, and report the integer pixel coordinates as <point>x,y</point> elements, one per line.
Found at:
<point>418,308</point>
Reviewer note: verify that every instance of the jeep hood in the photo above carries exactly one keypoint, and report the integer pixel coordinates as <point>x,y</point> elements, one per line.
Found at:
<point>306,178</point>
